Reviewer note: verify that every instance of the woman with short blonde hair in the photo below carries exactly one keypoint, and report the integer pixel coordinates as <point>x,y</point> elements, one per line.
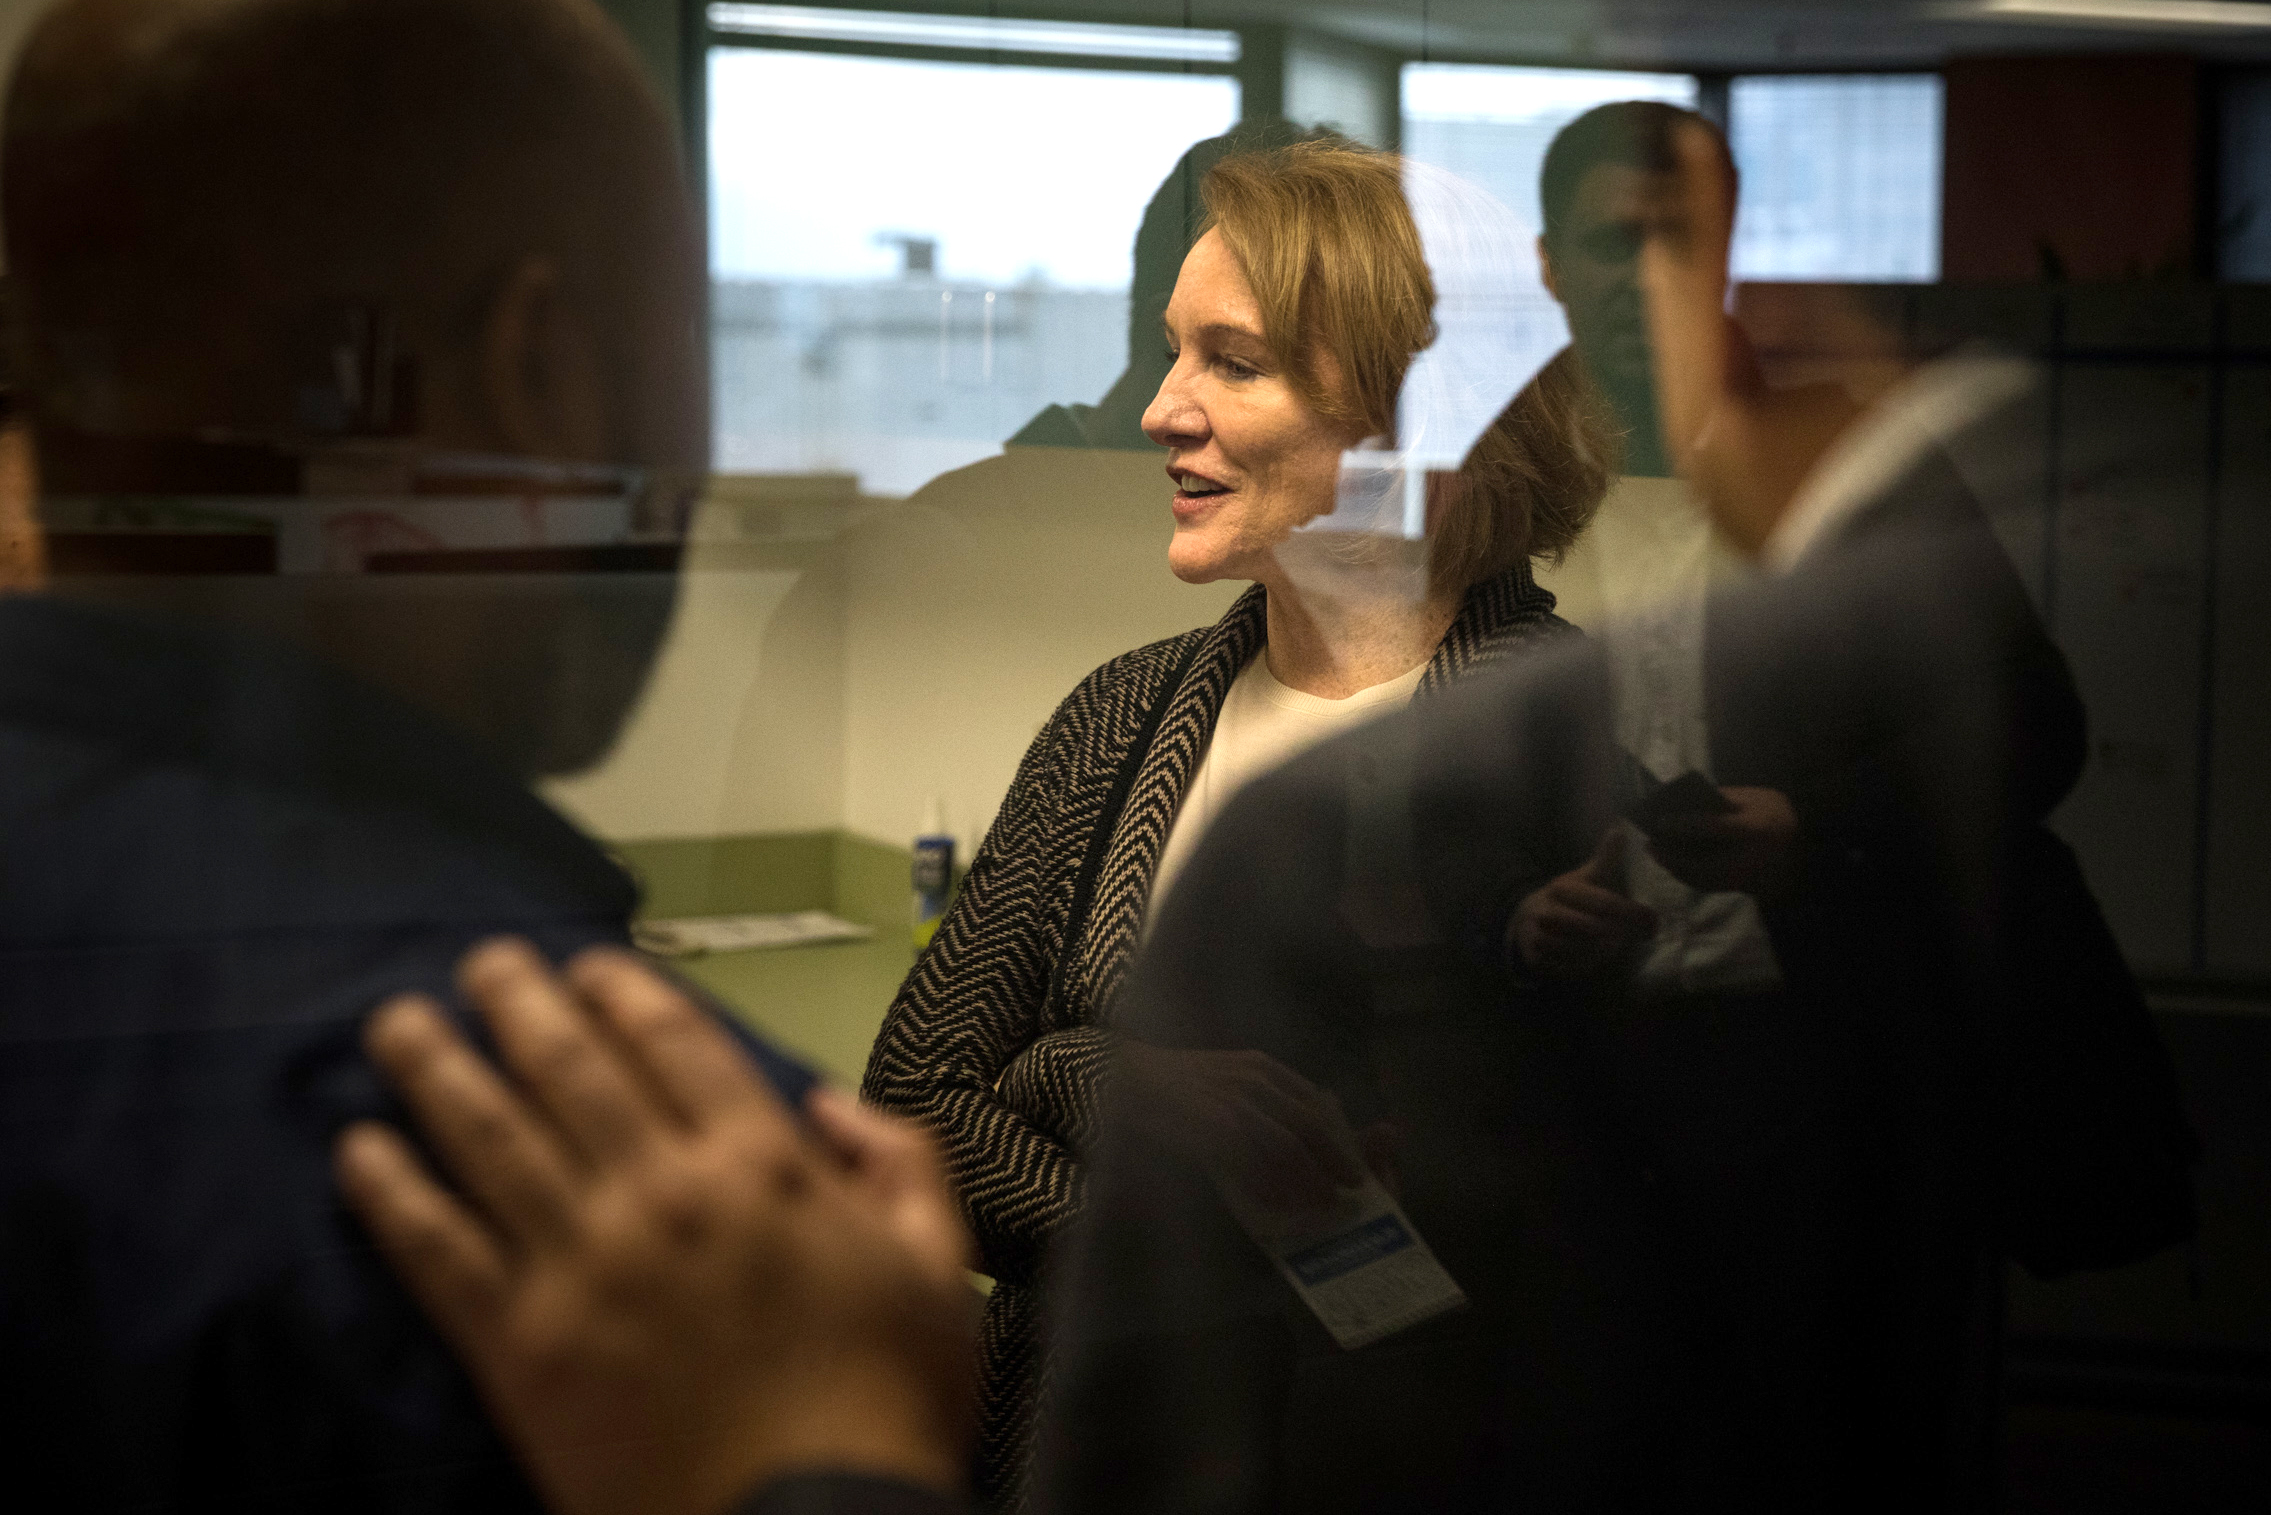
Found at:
<point>1328,245</point>
<point>1293,328</point>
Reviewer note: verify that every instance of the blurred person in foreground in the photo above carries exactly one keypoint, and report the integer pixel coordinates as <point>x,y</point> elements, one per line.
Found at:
<point>266,249</point>
<point>1611,1205</point>
<point>1294,321</point>
<point>2097,1146</point>
<point>1665,930</point>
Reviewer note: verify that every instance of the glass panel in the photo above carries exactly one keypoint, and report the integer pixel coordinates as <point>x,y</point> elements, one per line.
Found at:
<point>945,254</point>
<point>1841,177</point>
<point>1491,126</point>
<point>1491,823</point>
<point>2243,248</point>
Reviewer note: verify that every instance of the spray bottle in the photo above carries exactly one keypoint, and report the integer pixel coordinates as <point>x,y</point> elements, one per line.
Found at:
<point>934,873</point>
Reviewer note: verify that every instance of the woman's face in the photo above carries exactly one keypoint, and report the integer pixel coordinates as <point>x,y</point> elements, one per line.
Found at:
<point>1250,459</point>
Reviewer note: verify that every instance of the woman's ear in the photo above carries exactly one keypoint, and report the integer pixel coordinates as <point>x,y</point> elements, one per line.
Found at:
<point>540,369</point>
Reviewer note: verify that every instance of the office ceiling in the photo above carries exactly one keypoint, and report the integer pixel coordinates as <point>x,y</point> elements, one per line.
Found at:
<point>1715,34</point>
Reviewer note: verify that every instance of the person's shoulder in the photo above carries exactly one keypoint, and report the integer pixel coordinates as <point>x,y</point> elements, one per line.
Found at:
<point>1116,693</point>
<point>1922,543</point>
<point>1142,667</point>
<point>1551,627</point>
<point>152,764</point>
<point>1928,495</point>
<point>1141,675</point>
<point>1511,602</point>
<point>1504,617</point>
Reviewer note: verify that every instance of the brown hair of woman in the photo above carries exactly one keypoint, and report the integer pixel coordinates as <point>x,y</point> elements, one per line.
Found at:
<point>1326,238</point>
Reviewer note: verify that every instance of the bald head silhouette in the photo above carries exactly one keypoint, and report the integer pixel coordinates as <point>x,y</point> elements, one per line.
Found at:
<point>196,190</point>
<point>192,185</point>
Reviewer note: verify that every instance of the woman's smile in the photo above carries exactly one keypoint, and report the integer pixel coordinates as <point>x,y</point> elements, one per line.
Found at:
<point>1195,493</point>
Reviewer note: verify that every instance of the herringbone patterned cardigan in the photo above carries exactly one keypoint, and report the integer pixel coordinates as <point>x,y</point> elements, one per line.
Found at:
<point>996,1039</point>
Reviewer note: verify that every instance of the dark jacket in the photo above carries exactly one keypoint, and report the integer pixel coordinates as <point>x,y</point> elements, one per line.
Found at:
<point>996,1040</point>
<point>216,858</point>
<point>1714,1253</point>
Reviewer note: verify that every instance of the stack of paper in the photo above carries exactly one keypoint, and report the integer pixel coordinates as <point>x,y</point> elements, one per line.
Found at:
<point>695,935</point>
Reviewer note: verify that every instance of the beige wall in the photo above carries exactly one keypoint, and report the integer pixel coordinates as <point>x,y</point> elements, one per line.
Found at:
<point>973,610</point>
<point>741,728</point>
<point>811,683</point>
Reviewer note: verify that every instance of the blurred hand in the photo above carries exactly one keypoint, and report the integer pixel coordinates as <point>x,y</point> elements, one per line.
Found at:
<point>1246,1118</point>
<point>1382,1145</point>
<point>1752,849</point>
<point>1743,447</point>
<point>667,1292</point>
<point>1579,927</point>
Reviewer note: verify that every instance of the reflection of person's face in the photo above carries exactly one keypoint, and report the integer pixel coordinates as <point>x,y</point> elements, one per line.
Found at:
<point>1593,268</point>
<point>1250,459</point>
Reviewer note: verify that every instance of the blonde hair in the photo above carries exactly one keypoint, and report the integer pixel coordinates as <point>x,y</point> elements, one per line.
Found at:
<point>1327,243</point>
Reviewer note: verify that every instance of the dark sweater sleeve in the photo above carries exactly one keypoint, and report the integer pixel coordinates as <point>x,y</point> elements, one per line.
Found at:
<point>846,1494</point>
<point>974,1003</point>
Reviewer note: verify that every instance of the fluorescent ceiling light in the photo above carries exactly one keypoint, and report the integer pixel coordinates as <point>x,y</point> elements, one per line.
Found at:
<point>976,33</point>
<point>2148,15</point>
<point>1510,95</point>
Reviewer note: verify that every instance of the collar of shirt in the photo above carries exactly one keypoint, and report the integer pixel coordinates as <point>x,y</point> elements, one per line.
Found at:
<point>1921,412</point>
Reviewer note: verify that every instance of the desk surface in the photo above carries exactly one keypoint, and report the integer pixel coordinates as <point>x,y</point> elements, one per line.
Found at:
<point>824,1003</point>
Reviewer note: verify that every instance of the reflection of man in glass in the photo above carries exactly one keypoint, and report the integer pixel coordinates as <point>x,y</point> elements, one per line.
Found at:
<point>1594,190</point>
<point>1646,566</point>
